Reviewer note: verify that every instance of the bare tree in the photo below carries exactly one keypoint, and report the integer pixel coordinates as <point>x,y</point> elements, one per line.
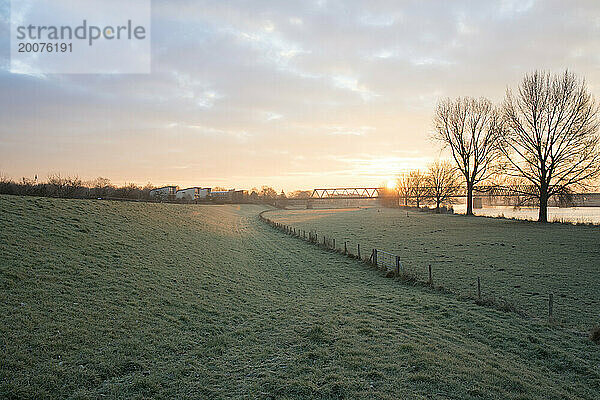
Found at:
<point>253,197</point>
<point>470,128</point>
<point>443,182</point>
<point>300,194</point>
<point>6,184</point>
<point>418,186</point>
<point>101,187</point>
<point>551,137</point>
<point>129,191</point>
<point>267,193</point>
<point>67,187</point>
<point>403,188</point>
<point>146,190</point>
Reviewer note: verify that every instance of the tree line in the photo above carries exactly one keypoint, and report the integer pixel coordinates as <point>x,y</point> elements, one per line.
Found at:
<point>73,187</point>
<point>541,141</point>
<point>438,185</point>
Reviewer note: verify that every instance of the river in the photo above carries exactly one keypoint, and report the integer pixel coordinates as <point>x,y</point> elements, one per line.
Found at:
<point>568,214</point>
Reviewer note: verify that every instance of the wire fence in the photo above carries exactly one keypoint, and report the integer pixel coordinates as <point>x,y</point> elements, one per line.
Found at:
<point>387,261</point>
<point>392,265</point>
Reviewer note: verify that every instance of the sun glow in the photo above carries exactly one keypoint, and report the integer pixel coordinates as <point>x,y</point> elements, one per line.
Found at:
<point>391,184</point>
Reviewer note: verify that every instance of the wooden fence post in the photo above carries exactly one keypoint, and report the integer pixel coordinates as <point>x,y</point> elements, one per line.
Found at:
<point>478,288</point>
<point>345,248</point>
<point>334,243</point>
<point>397,265</point>
<point>358,245</point>
<point>375,256</point>
<point>430,276</point>
<point>550,306</point>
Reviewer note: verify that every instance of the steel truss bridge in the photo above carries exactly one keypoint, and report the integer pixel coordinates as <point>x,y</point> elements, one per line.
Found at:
<point>459,191</point>
<point>347,193</point>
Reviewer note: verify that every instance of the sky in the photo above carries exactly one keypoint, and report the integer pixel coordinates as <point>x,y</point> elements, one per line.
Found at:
<point>294,94</point>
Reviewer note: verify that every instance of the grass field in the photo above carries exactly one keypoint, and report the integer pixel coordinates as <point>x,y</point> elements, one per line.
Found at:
<point>125,300</point>
<point>517,261</point>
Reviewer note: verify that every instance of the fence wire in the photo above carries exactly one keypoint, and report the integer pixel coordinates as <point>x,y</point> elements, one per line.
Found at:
<point>388,261</point>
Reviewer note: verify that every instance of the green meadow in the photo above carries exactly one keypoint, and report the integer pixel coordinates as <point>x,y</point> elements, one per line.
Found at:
<point>124,300</point>
<point>518,262</point>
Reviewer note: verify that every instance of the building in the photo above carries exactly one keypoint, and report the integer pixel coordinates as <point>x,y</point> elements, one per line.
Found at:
<point>163,193</point>
<point>227,196</point>
<point>193,194</point>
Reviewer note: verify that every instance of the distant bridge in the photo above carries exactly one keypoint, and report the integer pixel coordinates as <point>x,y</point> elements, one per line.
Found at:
<point>346,193</point>
<point>374,193</point>
<point>354,193</point>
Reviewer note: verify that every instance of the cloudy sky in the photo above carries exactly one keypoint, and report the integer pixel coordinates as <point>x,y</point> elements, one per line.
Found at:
<point>295,94</point>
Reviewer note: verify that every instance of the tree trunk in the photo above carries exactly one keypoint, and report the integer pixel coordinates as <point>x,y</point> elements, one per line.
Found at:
<point>543,216</point>
<point>469,198</point>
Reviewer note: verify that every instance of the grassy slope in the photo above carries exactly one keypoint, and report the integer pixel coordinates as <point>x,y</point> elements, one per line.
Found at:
<point>518,261</point>
<point>136,300</point>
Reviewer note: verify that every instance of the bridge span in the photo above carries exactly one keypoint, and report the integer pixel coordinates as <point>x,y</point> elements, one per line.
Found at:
<point>350,193</point>
<point>498,191</point>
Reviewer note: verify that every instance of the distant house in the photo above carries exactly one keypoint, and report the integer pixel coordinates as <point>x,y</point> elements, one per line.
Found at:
<point>193,194</point>
<point>227,196</point>
<point>163,193</point>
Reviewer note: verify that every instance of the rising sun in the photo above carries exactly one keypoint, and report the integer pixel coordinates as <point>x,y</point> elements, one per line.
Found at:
<point>391,184</point>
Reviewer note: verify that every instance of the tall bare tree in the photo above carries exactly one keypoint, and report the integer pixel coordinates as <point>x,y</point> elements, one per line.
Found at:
<point>551,137</point>
<point>470,128</point>
<point>443,181</point>
<point>403,188</point>
<point>267,193</point>
<point>418,186</point>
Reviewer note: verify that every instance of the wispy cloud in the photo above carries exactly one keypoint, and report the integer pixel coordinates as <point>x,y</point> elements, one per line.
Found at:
<point>344,131</point>
<point>352,83</point>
